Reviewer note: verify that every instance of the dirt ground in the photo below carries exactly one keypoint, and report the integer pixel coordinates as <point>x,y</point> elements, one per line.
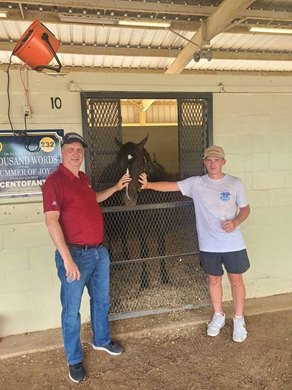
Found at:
<point>172,358</point>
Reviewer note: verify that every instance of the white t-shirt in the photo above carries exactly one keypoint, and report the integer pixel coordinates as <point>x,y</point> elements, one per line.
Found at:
<point>216,201</point>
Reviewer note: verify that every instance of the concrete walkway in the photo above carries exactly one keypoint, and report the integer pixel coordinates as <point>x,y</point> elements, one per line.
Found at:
<point>138,327</point>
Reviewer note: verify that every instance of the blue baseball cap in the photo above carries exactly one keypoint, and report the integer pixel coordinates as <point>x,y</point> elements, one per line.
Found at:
<point>69,138</point>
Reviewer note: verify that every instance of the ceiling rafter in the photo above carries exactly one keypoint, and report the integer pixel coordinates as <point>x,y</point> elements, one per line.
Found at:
<point>53,17</point>
<point>240,26</point>
<point>68,69</point>
<point>120,5</point>
<point>162,8</point>
<point>227,11</point>
<point>109,51</point>
<point>161,52</point>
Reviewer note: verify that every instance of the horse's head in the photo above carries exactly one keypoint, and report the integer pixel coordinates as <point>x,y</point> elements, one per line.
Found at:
<point>134,159</point>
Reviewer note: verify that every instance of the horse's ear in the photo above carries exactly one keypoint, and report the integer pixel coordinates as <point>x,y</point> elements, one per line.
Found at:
<point>118,143</point>
<point>143,142</point>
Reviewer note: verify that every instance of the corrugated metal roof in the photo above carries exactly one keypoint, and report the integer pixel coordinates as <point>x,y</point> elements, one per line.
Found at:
<point>252,42</point>
<point>99,46</point>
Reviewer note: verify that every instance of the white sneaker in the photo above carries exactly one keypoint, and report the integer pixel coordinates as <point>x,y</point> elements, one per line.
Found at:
<point>217,322</point>
<point>239,330</point>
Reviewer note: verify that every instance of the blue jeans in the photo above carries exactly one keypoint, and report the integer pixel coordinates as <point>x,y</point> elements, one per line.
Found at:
<point>93,265</point>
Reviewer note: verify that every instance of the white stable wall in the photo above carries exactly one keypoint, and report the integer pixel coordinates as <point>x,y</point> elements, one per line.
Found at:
<point>252,121</point>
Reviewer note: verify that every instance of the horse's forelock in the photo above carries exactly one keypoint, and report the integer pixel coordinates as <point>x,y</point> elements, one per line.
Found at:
<point>140,161</point>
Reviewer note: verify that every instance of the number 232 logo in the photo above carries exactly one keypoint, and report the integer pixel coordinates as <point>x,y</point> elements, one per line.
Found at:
<point>47,144</point>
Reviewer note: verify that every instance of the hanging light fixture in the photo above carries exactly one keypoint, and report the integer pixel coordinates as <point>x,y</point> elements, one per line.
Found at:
<point>271,30</point>
<point>138,23</point>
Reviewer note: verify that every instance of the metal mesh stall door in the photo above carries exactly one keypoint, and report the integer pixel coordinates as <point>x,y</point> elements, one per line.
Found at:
<point>155,265</point>
<point>153,245</point>
<point>103,123</point>
<point>194,121</point>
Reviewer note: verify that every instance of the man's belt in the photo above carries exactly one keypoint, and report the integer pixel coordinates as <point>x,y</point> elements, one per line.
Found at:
<point>79,246</point>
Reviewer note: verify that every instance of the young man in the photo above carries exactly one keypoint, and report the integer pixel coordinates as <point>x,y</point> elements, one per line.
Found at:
<point>74,220</point>
<point>221,206</point>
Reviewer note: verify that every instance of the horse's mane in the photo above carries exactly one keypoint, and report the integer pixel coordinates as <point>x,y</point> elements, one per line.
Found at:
<point>155,171</point>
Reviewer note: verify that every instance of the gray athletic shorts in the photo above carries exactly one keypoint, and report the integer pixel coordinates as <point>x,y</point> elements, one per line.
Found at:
<point>234,262</point>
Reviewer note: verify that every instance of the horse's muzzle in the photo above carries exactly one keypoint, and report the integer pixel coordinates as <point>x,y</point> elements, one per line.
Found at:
<point>130,201</point>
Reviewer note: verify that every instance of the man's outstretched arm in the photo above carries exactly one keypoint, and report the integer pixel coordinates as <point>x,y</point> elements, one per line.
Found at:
<point>163,186</point>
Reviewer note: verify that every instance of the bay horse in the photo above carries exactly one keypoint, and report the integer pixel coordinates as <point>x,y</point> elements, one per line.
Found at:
<point>134,159</point>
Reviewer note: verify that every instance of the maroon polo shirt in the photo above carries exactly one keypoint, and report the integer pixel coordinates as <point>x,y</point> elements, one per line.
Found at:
<point>80,214</point>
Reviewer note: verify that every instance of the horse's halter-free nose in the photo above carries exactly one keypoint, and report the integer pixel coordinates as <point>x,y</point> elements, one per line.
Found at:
<point>130,157</point>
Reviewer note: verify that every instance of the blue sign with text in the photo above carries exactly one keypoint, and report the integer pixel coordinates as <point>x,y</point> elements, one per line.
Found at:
<point>26,160</point>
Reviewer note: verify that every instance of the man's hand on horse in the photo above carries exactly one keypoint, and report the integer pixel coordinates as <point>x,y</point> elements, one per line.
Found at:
<point>124,181</point>
<point>143,181</point>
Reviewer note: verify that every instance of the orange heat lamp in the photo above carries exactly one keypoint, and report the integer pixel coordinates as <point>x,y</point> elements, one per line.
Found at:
<point>37,47</point>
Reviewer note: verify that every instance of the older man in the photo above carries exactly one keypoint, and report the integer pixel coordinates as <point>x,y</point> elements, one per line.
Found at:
<point>75,223</point>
